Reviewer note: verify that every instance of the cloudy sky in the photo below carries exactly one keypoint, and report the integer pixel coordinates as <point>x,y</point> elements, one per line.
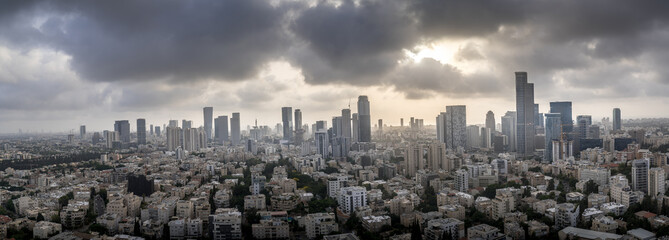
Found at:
<point>66,63</point>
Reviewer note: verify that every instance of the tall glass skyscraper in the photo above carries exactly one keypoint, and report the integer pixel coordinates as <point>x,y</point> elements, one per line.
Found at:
<point>617,124</point>
<point>524,115</point>
<point>552,126</point>
<point>364,120</point>
<point>141,131</point>
<point>287,121</point>
<point>564,109</point>
<point>208,116</point>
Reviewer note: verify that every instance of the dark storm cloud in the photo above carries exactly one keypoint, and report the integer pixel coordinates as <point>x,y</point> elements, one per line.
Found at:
<point>355,42</point>
<point>349,42</point>
<point>145,40</point>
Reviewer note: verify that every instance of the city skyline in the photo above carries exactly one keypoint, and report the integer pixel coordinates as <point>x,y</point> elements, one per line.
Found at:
<point>63,66</point>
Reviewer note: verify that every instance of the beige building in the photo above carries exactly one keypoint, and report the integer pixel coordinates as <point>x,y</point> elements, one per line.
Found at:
<point>271,229</point>
<point>320,224</point>
<point>255,202</point>
<point>604,224</point>
<point>453,211</point>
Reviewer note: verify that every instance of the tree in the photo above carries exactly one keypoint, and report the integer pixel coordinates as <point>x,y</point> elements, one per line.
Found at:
<point>551,185</point>
<point>415,231</point>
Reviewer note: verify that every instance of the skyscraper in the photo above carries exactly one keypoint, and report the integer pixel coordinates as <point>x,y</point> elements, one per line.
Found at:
<point>538,117</point>
<point>287,121</point>
<point>490,121</point>
<point>322,143</point>
<point>235,129</point>
<point>564,109</point>
<point>208,115</point>
<point>656,182</point>
<point>553,122</point>
<point>355,137</point>
<point>364,120</point>
<point>221,132</point>
<point>380,125</point>
<point>123,128</point>
<point>82,131</point>
<point>141,131</point>
<point>509,130</point>
<point>346,123</point>
<point>299,131</point>
<point>640,169</point>
<point>456,126</point>
<point>617,124</point>
<point>173,141</point>
<point>151,130</point>
<point>157,131</point>
<point>524,115</point>
<point>413,158</point>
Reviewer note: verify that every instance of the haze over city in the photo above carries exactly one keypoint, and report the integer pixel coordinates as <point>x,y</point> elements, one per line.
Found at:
<point>69,63</point>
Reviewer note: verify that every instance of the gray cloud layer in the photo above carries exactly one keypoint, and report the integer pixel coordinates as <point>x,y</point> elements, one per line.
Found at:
<point>570,45</point>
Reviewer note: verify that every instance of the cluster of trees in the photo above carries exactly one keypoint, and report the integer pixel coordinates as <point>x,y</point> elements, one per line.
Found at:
<point>48,160</point>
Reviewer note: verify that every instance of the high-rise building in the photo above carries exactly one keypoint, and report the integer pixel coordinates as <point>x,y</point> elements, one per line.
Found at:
<point>364,120</point>
<point>157,131</point>
<point>355,137</point>
<point>351,198</point>
<point>235,129</point>
<point>221,133</point>
<point>640,169</point>
<point>299,131</point>
<point>509,130</point>
<point>173,123</point>
<point>524,115</point>
<point>401,122</point>
<point>552,126</point>
<point>538,117</point>
<point>413,159</point>
<point>490,121</point>
<point>141,131</point>
<point>461,180</point>
<point>287,123</point>
<point>473,136</point>
<point>486,138</point>
<point>346,123</point>
<point>656,182</point>
<point>617,123</point>
<point>110,138</point>
<point>208,116</point>
<point>380,125</point>
<point>82,131</point>
<point>454,126</point>
<point>123,127</point>
<point>564,109</point>
<point>322,143</point>
<point>436,157</point>
<point>150,129</point>
<point>583,123</point>
<point>173,140</point>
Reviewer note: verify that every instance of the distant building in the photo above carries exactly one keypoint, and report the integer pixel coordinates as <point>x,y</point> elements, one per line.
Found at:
<point>208,113</point>
<point>617,123</point>
<point>141,131</point>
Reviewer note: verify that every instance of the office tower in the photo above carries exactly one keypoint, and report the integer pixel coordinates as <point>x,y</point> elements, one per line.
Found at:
<point>436,157</point>
<point>185,124</point>
<point>356,129</point>
<point>322,143</point>
<point>110,138</point>
<point>287,123</point>
<point>364,119</point>
<point>173,123</point>
<point>461,180</point>
<point>82,131</point>
<point>524,115</point>
<point>413,159</point>
<point>441,127</point>
<point>401,122</point>
<point>538,117</point>
<point>150,129</point>
<point>157,131</point>
<point>221,129</point>
<point>564,109</point>
<point>486,138</point>
<point>456,127</point>
<point>380,125</point>
<point>141,131</point>
<point>346,123</point>
<point>617,123</point>
<point>299,131</point>
<point>490,121</point>
<point>473,136</point>
<point>552,126</point>
<point>208,115</point>
<point>656,182</point>
<point>509,130</point>
<point>173,139</point>
<point>583,123</point>
<point>123,127</point>
<point>235,129</point>
<point>340,143</point>
<point>321,125</point>
<point>640,169</point>
<point>351,198</point>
